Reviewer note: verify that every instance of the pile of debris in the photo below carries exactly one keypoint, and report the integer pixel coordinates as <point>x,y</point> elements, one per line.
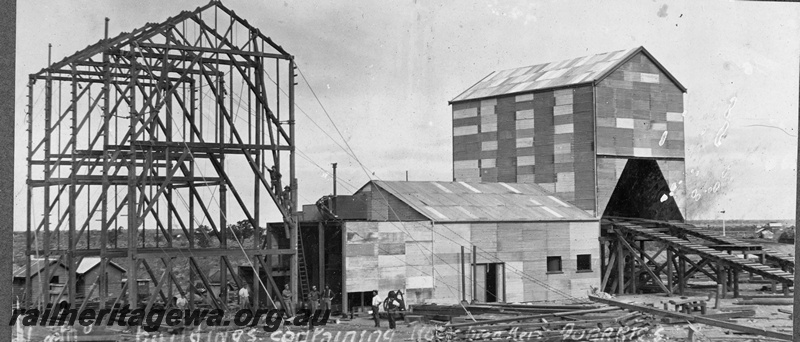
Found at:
<point>601,319</point>
<point>578,322</point>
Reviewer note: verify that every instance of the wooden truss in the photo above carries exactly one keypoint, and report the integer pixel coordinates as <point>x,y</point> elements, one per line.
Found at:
<point>154,132</point>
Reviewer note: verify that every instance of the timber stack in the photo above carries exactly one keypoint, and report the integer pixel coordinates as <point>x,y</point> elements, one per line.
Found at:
<point>520,322</point>
<point>604,319</point>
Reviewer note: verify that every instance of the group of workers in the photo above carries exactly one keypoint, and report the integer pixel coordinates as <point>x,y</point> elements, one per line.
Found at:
<point>391,305</point>
<point>313,299</point>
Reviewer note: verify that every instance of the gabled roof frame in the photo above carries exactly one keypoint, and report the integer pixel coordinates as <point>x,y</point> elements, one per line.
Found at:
<point>601,76</point>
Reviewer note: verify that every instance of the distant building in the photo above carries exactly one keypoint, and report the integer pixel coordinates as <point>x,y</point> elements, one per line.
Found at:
<point>39,271</point>
<point>87,275</point>
<point>88,272</point>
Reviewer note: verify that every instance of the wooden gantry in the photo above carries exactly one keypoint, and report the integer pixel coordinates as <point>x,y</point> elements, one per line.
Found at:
<point>165,130</point>
<point>637,254</point>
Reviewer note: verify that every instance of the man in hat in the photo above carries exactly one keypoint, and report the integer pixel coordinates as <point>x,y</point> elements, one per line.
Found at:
<point>287,299</point>
<point>313,299</point>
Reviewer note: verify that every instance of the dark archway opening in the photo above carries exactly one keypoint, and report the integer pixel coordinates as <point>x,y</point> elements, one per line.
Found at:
<point>642,192</point>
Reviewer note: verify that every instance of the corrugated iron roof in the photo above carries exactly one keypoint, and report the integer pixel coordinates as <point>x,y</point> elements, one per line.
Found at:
<point>36,266</point>
<point>586,69</point>
<point>490,202</point>
<point>87,263</point>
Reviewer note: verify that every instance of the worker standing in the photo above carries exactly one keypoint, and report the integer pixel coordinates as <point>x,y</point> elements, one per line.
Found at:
<point>313,300</point>
<point>181,302</point>
<point>244,297</point>
<point>376,305</point>
<point>390,305</point>
<point>327,297</point>
<point>287,299</point>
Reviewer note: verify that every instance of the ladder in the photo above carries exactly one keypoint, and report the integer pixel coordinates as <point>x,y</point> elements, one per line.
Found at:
<point>302,271</point>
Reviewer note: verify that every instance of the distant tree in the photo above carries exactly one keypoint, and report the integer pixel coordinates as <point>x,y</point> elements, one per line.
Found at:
<point>113,235</point>
<point>787,236</point>
<point>241,230</point>
<point>202,236</point>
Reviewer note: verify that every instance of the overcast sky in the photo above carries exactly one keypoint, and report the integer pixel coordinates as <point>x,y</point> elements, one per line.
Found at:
<point>385,71</point>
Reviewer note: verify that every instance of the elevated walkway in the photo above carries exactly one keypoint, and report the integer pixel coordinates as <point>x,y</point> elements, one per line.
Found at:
<point>642,229</point>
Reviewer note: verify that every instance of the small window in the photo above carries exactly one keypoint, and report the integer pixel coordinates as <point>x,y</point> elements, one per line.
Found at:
<point>584,262</point>
<point>554,264</point>
<point>54,280</point>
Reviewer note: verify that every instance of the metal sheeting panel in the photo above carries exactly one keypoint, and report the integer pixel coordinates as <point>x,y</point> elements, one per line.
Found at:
<point>488,202</point>
<point>542,76</point>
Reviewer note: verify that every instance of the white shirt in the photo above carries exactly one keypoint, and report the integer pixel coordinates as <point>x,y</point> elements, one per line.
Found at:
<point>376,300</point>
<point>243,292</point>
<point>181,302</point>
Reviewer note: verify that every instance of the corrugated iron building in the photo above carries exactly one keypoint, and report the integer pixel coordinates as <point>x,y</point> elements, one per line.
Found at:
<point>604,132</point>
<point>530,244</point>
<point>39,271</point>
<point>88,272</point>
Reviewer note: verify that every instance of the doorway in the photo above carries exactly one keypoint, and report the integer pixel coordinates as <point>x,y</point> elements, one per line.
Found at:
<point>490,283</point>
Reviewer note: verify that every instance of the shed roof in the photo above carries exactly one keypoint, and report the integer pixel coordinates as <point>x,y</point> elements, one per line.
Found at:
<point>476,202</point>
<point>37,265</point>
<point>89,263</point>
<point>581,70</point>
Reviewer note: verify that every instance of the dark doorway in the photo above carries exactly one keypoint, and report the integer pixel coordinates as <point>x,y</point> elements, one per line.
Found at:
<point>642,192</point>
<point>491,283</point>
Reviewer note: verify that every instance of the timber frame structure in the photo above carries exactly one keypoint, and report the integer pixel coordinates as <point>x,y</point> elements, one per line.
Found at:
<point>632,257</point>
<point>165,124</point>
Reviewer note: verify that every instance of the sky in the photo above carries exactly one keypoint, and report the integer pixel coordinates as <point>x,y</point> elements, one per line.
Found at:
<point>385,72</point>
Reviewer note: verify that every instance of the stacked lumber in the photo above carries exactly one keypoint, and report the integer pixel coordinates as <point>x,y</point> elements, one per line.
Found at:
<point>539,322</point>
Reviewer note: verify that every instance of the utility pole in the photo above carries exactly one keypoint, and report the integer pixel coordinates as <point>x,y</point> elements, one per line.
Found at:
<point>334,179</point>
<point>723,221</point>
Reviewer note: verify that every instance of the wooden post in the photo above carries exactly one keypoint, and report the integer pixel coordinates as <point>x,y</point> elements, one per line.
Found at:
<point>735,272</point>
<point>681,273</point>
<point>344,269</point>
<point>321,245</point>
<point>223,227</point>
<point>620,269</point>
<point>721,278</point>
<point>603,265</point>
<point>294,229</point>
<point>504,282</point>
<point>633,273</point>
<point>669,270</point>
<point>463,277</point>
<point>474,272</point>
<point>133,215</point>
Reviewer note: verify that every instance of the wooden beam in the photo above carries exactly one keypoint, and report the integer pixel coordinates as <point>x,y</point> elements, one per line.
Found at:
<point>213,50</point>
<point>608,271</point>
